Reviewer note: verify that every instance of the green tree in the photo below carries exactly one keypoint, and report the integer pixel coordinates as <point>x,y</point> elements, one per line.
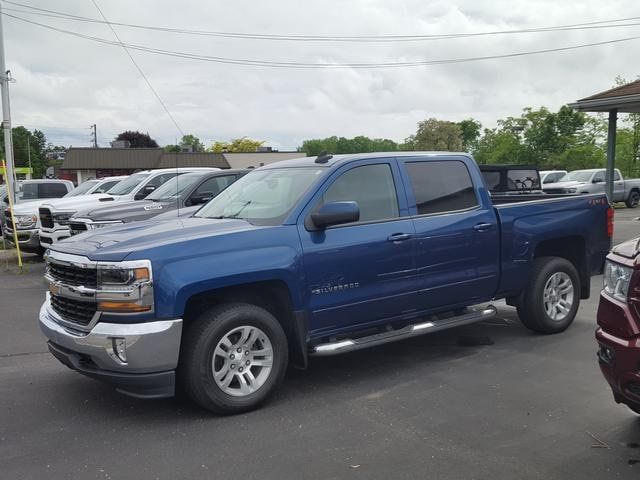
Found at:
<point>341,145</point>
<point>470,131</point>
<point>137,139</point>
<point>28,144</point>
<point>236,145</point>
<point>172,148</point>
<point>434,134</point>
<point>194,141</point>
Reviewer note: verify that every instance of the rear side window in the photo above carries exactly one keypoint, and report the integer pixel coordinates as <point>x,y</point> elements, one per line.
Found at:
<point>105,186</point>
<point>371,186</point>
<point>52,190</point>
<point>441,186</point>
<point>213,186</point>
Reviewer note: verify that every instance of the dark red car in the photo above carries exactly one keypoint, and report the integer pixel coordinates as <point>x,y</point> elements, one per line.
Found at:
<point>618,334</point>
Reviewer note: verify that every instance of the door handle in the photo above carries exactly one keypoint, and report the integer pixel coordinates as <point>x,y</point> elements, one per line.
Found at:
<point>483,227</point>
<point>399,237</point>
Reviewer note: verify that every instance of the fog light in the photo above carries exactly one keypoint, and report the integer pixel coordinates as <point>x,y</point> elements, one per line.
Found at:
<point>120,348</point>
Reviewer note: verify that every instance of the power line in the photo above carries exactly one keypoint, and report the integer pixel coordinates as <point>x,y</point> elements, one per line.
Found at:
<point>303,65</point>
<point>611,23</point>
<point>138,67</point>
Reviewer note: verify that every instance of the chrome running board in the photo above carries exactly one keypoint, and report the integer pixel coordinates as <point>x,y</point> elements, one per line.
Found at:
<point>433,325</point>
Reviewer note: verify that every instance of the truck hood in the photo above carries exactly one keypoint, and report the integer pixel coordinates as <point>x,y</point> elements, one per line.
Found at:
<point>628,249</point>
<point>127,211</point>
<point>73,204</point>
<point>116,243</point>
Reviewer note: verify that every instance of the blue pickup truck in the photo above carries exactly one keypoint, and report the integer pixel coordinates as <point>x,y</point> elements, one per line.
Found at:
<point>315,256</point>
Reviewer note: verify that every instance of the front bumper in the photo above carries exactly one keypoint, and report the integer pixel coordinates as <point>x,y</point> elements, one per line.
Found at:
<point>619,351</point>
<point>152,349</point>
<point>29,240</point>
<point>50,236</point>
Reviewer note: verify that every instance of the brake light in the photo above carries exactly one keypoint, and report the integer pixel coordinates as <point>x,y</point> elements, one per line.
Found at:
<point>610,213</point>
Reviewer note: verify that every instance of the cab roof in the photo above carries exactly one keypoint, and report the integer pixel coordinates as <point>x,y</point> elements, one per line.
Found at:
<point>337,160</point>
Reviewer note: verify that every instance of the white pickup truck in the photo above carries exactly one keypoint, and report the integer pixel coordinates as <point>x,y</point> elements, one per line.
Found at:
<point>26,210</point>
<point>594,181</point>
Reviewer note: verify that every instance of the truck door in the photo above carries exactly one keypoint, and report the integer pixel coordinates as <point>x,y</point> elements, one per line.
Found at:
<point>360,272</point>
<point>457,238</point>
<point>618,186</point>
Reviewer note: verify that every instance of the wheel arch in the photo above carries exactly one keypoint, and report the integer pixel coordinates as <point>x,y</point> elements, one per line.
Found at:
<point>573,249</point>
<point>272,295</point>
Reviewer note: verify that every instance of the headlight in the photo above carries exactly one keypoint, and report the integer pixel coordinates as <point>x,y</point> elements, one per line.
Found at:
<point>125,287</point>
<point>616,280</point>
<point>62,218</point>
<point>26,221</point>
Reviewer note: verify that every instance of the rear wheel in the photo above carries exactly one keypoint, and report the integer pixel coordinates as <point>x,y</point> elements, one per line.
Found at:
<point>633,200</point>
<point>552,296</point>
<point>233,358</point>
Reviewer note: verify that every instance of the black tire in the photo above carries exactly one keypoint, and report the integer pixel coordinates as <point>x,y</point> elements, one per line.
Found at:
<point>531,309</point>
<point>633,200</point>
<point>195,370</point>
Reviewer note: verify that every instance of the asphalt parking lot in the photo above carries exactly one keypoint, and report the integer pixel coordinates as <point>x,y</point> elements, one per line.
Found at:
<point>486,401</point>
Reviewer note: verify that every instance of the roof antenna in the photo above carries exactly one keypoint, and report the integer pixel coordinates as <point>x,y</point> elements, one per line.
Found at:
<point>324,157</point>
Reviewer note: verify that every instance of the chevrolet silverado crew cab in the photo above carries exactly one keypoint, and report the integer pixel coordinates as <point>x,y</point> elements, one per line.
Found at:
<point>29,193</point>
<point>184,191</point>
<point>314,256</point>
<point>594,181</point>
<point>54,216</point>
<point>618,332</point>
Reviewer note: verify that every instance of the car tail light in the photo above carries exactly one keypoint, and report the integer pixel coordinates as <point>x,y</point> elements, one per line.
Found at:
<point>610,214</point>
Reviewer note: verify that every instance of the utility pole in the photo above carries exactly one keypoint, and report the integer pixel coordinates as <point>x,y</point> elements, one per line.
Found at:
<point>94,134</point>
<point>29,153</point>
<point>6,116</point>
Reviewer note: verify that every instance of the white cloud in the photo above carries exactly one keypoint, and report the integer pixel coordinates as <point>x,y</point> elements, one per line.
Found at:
<point>70,83</point>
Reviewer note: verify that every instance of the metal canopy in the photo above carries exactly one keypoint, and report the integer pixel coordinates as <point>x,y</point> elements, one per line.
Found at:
<point>625,99</point>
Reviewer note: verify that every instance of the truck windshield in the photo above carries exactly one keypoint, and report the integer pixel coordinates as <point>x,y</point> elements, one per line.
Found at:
<point>174,188</point>
<point>82,188</point>
<point>126,186</point>
<point>577,176</point>
<point>263,197</point>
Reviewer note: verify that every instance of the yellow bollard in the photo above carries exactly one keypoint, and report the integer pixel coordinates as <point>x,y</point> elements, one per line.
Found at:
<point>13,221</point>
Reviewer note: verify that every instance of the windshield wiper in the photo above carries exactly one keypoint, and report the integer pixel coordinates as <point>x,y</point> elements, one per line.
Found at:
<point>234,215</point>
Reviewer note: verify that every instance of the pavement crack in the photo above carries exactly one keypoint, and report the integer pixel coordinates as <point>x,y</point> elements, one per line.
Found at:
<point>21,354</point>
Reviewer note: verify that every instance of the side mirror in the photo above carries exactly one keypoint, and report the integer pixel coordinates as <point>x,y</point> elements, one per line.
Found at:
<point>144,192</point>
<point>200,198</point>
<point>335,213</point>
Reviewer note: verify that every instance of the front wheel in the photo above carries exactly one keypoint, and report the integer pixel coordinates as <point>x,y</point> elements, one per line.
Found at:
<point>552,296</point>
<point>633,199</point>
<point>232,358</point>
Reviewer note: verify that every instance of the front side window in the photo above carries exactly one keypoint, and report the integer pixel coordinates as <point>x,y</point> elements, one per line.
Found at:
<point>599,177</point>
<point>443,186</point>
<point>616,175</point>
<point>213,186</point>
<point>371,187</point>
<point>263,197</point>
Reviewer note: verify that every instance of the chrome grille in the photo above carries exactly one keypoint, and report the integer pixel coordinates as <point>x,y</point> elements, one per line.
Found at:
<point>74,310</point>
<point>73,275</point>
<point>46,220</point>
<point>77,227</point>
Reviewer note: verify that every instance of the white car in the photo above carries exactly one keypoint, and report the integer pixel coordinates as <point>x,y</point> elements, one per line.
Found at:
<point>54,216</point>
<point>594,181</point>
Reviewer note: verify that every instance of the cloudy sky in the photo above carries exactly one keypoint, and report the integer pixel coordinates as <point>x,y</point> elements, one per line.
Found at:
<point>64,83</point>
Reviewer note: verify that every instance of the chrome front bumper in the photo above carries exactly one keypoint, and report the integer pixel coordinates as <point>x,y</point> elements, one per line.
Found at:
<point>50,236</point>
<point>28,240</point>
<point>150,347</point>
